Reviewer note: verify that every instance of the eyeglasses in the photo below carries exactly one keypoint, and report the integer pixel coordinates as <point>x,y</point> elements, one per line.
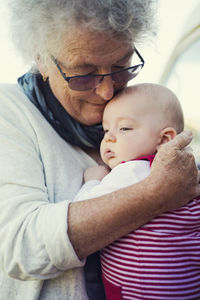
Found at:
<point>88,82</point>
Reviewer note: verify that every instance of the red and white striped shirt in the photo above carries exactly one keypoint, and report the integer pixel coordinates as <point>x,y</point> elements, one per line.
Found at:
<point>161,260</point>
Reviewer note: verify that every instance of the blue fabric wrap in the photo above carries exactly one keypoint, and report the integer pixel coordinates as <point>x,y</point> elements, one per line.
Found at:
<point>40,94</point>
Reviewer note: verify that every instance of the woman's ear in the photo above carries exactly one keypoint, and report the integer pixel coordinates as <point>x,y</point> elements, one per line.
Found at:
<point>41,67</point>
<point>166,135</point>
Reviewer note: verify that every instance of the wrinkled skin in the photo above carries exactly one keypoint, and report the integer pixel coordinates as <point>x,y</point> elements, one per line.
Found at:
<point>177,166</point>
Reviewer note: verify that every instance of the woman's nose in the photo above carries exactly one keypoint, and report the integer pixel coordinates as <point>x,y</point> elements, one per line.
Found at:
<point>105,88</point>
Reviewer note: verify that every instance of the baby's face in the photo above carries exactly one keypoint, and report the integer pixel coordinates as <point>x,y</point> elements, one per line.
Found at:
<point>130,130</point>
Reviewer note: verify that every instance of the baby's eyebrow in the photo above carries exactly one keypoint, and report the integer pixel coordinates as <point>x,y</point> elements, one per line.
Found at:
<point>103,125</point>
<point>125,119</point>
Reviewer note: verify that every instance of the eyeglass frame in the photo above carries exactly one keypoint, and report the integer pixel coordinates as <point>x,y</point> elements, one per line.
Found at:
<point>67,78</point>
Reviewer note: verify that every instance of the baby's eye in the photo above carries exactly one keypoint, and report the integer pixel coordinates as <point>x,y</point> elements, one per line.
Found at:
<point>125,128</point>
<point>105,131</point>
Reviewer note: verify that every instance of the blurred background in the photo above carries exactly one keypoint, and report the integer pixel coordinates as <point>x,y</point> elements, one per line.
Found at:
<point>172,58</point>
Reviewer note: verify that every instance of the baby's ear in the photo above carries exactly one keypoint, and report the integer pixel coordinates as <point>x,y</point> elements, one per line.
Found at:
<point>166,135</point>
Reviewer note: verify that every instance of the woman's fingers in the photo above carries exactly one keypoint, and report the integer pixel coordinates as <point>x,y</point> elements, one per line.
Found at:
<point>188,149</point>
<point>175,169</point>
<point>181,141</point>
<point>198,187</point>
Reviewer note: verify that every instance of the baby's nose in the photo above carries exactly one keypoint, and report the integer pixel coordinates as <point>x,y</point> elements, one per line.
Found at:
<point>110,137</point>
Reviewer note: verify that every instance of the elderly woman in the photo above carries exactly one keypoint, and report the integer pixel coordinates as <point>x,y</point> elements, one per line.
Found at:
<point>50,132</point>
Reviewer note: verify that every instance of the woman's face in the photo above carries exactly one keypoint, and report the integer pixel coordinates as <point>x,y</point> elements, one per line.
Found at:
<point>86,52</point>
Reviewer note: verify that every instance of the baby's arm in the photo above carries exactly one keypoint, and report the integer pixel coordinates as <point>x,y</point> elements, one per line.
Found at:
<point>95,173</point>
<point>92,177</point>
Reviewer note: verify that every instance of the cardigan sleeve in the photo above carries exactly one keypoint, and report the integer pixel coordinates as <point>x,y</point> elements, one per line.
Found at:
<point>33,231</point>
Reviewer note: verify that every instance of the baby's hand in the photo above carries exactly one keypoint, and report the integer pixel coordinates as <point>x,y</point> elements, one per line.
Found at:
<point>95,173</point>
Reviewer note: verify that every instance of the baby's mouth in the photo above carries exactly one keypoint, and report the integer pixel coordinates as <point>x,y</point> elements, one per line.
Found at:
<point>109,154</point>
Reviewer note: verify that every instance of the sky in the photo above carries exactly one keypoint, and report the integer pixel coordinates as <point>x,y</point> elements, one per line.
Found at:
<point>172,18</point>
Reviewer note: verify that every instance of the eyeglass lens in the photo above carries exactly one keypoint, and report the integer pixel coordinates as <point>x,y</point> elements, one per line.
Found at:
<point>125,76</point>
<point>91,82</point>
<point>84,83</point>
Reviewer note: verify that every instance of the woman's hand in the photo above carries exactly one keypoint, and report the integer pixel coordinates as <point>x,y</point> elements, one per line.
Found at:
<point>175,170</point>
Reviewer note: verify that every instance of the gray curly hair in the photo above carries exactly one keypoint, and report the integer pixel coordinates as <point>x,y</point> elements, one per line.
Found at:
<point>38,26</point>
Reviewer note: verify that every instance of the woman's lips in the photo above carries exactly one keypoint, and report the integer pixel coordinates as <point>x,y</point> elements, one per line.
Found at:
<point>96,103</point>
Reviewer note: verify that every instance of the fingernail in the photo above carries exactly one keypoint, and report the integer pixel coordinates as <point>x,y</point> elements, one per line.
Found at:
<point>189,132</point>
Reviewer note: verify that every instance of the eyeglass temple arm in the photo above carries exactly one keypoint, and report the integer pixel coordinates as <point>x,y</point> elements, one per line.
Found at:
<point>59,68</point>
<point>140,56</point>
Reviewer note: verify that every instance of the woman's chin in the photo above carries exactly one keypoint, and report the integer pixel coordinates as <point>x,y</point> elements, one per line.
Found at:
<point>93,118</point>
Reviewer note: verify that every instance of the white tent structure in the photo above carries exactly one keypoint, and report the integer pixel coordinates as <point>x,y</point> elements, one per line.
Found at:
<point>182,74</point>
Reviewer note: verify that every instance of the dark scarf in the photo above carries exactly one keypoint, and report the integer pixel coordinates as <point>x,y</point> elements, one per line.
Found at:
<point>40,94</point>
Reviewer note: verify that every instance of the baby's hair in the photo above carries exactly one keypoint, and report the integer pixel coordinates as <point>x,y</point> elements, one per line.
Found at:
<point>164,99</point>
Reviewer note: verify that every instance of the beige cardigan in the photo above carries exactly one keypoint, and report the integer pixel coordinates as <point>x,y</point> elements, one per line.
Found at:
<point>39,176</point>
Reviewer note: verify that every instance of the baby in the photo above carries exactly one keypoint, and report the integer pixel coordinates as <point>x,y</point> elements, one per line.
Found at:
<point>160,260</point>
